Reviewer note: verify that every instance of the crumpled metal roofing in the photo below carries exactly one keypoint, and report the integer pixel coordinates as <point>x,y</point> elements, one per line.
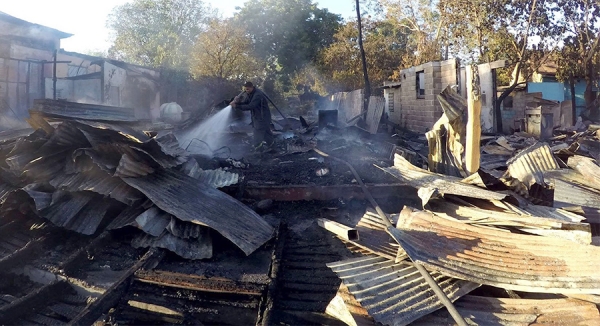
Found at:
<point>99,182</point>
<point>374,238</point>
<point>570,189</point>
<point>395,293</point>
<point>479,310</point>
<point>498,258</point>
<point>79,211</point>
<point>153,221</point>
<point>196,202</point>
<point>198,248</point>
<point>436,183</point>
<point>218,178</point>
<point>126,217</point>
<point>528,166</point>
<point>185,230</point>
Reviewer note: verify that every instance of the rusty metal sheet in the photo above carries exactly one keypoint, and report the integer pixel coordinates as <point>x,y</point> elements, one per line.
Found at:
<point>374,238</point>
<point>314,192</point>
<point>395,293</point>
<point>197,248</point>
<point>571,189</point>
<point>192,201</point>
<point>479,310</point>
<point>434,183</point>
<point>528,166</point>
<point>587,167</point>
<point>499,258</point>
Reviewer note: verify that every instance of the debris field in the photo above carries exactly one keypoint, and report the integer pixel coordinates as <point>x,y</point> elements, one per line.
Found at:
<point>109,220</point>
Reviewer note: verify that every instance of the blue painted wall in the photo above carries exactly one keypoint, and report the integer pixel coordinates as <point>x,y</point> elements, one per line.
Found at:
<point>556,91</point>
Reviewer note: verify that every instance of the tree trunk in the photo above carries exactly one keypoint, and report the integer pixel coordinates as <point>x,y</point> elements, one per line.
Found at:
<point>363,58</point>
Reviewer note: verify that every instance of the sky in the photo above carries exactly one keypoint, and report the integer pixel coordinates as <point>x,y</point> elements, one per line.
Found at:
<point>86,19</point>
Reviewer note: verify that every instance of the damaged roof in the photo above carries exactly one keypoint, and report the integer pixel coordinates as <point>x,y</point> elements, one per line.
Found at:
<point>498,258</point>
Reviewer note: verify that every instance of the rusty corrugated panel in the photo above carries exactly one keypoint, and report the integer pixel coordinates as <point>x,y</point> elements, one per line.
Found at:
<point>193,201</point>
<point>571,189</point>
<point>395,293</point>
<point>374,238</point>
<point>436,183</point>
<point>498,258</point>
<point>501,311</point>
<point>528,166</point>
<point>196,248</point>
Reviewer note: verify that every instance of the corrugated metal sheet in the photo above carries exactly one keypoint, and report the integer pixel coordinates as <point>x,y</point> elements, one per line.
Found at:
<point>197,248</point>
<point>395,294</point>
<point>184,230</point>
<point>90,216</point>
<point>99,182</point>
<point>374,238</point>
<point>569,189</point>
<point>587,167</point>
<point>153,221</point>
<point>72,110</point>
<point>126,217</point>
<point>218,178</point>
<point>528,166</point>
<point>438,183</point>
<point>498,258</point>
<point>101,132</point>
<point>193,201</point>
<point>501,311</point>
<point>130,167</point>
<point>67,207</point>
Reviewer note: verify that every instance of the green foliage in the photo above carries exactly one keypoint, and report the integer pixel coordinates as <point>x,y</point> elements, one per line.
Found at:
<point>287,34</point>
<point>157,33</point>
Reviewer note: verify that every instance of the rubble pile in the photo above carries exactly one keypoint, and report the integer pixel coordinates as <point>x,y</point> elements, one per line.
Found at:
<point>514,243</point>
<point>90,176</point>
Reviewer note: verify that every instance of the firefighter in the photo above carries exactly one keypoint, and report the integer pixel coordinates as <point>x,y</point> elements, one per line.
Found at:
<point>257,103</point>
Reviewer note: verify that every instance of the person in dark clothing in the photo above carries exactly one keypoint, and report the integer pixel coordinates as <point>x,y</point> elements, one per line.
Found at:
<point>257,103</point>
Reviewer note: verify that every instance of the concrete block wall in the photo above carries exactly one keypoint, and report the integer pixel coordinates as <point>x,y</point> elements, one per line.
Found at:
<point>419,114</point>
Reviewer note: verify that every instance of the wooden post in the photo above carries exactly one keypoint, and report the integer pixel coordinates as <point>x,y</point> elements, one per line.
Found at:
<point>472,153</point>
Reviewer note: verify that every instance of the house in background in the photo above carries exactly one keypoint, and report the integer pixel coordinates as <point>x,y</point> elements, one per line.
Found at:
<point>412,102</point>
<point>25,52</point>
<point>32,66</point>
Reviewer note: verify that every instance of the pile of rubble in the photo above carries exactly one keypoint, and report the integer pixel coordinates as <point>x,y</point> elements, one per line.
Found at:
<point>514,243</point>
<point>89,176</point>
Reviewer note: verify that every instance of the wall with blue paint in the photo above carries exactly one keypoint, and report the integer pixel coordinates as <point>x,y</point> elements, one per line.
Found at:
<point>557,91</point>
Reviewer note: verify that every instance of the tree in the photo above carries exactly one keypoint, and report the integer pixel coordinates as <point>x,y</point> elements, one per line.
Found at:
<point>157,33</point>
<point>287,34</point>
<point>421,20</point>
<point>225,53</point>
<point>580,57</point>
<point>363,59</point>
<point>385,48</point>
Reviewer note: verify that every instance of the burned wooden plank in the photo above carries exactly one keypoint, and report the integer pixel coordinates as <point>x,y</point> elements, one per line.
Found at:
<point>38,298</point>
<point>433,183</point>
<point>498,258</point>
<point>395,293</point>
<point>313,192</point>
<point>111,296</point>
<point>198,282</point>
<point>196,202</point>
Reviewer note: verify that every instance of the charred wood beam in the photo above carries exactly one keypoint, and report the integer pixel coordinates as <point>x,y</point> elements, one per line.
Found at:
<point>72,261</point>
<point>312,192</point>
<point>112,295</point>
<point>22,255</point>
<point>33,300</point>
<point>197,283</point>
<point>267,305</point>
